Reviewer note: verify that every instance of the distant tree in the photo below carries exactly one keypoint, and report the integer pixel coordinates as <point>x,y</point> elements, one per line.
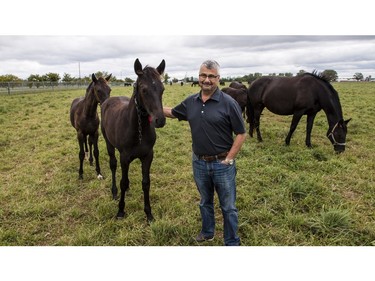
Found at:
<point>85,79</point>
<point>67,78</point>
<point>102,74</point>
<point>358,76</point>
<point>330,74</point>
<point>9,78</point>
<point>288,74</point>
<point>51,77</point>
<point>127,79</point>
<point>166,77</point>
<point>252,77</point>
<point>34,79</point>
<point>300,72</point>
<point>114,78</point>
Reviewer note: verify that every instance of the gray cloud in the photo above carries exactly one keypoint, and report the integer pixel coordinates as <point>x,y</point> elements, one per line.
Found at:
<point>238,55</point>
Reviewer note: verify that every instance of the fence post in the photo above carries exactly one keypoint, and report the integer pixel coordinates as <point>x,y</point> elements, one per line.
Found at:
<point>8,88</point>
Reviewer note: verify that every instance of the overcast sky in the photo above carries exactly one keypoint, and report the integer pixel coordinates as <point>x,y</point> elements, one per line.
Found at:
<point>238,55</point>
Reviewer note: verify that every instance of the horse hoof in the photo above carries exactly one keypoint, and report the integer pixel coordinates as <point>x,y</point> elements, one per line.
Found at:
<point>150,219</point>
<point>100,177</point>
<point>120,215</point>
<point>80,177</point>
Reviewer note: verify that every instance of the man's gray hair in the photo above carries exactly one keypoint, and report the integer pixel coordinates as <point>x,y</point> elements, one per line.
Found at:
<point>212,64</point>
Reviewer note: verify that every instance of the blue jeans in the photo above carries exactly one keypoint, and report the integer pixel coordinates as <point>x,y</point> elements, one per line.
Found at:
<point>211,176</point>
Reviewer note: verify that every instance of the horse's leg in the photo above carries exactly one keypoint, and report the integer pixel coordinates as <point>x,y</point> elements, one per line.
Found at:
<point>257,114</point>
<point>86,148</point>
<point>295,120</point>
<point>91,140</point>
<point>309,126</point>
<point>146,165</point>
<point>81,155</point>
<point>113,166</point>
<point>124,184</point>
<point>250,116</point>
<point>95,138</point>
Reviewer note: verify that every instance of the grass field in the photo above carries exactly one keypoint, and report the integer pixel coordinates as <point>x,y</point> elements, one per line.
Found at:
<point>286,195</point>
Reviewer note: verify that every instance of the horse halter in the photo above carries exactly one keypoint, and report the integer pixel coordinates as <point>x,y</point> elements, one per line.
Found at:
<point>141,111</point>
<point>333,137</point>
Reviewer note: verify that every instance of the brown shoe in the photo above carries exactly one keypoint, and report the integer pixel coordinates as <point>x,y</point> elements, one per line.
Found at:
<point>202,238</point>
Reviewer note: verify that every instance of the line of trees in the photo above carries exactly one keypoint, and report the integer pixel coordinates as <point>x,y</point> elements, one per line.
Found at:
<point>51,79</point>
<point>55,78</point>
<point>330,74</point>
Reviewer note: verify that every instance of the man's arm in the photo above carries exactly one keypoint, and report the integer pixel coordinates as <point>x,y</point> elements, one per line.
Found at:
<point>237,144</point>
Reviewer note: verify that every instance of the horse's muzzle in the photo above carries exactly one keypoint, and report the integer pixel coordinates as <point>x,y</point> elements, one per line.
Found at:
<point>339,148</point>
<point>159,122</point>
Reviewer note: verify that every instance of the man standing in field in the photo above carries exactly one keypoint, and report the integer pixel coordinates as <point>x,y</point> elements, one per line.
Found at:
<point>213,118</point>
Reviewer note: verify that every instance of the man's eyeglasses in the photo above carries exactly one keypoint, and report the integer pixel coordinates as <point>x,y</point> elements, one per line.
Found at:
<point>210,76</point>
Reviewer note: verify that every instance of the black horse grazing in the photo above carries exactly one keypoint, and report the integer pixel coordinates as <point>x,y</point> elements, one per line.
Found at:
<point>129,125</point>
<point>237,85</point>
<point>306,94</point>
<point>85,119</point>
<point>240,95</point>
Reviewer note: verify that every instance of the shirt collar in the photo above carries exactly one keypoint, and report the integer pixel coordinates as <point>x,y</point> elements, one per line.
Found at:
<point>216,95</point>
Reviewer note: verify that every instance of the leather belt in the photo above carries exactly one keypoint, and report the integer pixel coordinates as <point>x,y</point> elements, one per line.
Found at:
<point>210,158</point>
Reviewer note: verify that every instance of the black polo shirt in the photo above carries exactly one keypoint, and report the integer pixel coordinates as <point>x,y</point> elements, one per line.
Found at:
<point>212,123</point>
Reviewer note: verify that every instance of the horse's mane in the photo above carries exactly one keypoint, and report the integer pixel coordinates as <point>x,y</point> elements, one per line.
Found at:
<point>326,81</point>
<point>318,75</point>
<point>322,77</point>
<point>88,89</point>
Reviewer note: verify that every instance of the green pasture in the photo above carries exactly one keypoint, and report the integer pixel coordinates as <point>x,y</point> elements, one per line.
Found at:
<point>285,195</point>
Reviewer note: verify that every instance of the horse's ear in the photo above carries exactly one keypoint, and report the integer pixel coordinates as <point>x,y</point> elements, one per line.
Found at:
<point>343,122</point>
<point>161,67</point>
<point>138,67</point>
<point>108,77</point>
<point>94,79</point>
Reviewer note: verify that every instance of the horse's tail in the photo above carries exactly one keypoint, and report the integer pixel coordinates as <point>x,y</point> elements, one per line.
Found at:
<point>250,113</point>
<point>254,100</point>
